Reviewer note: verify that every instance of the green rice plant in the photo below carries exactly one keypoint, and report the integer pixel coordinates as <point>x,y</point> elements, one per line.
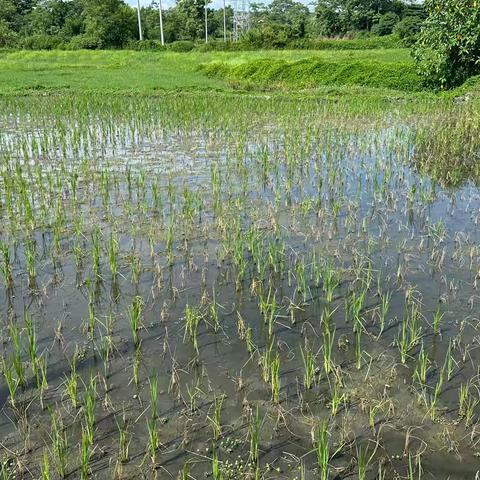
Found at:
<point>135,268</point>
<point>337,398</point>
<point>153,384</point>
<point>192,320</point>
<point>30,259</point>
<point>89,404</point>
<point>124,439</point>
<point>135,313</point>
<point>254,430</point>
<point>265,361</point>
<point>6,266</point>
<point>410,332</point>
<point>322,450</point>
<point>450,364</point>
<point>436,395</point>
<point>437,320</point>
<point>268,308</point>
<point>17,353</point>
<point>184,473</point>
<point>216,466</point>
<point>153,439</point>
<point>363,461</point>
<point>40,371</point>
<point>422,367</point>
<point>309,365</point>
<point>137,358</point>
<point>216,418</point>
<point>330,282</point>
<point>85,453</point>
<point>59,445</point>
<point>71,384</point>
<point>358,348</point>
<point>275,378</point>
<point>112,253</point>
<point>12,382</point>
<point>214,313</point>
<point>32,338</point>
<point>45,465</point>
<point>468,400</point>
<point>95,240</point>
<point>327,349</point>
<point>384,308</point>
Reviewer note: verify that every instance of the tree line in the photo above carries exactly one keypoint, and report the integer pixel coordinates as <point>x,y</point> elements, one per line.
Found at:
<point>114,24</point>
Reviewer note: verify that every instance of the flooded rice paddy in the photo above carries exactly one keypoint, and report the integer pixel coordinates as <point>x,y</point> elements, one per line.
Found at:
<point>236,287</point>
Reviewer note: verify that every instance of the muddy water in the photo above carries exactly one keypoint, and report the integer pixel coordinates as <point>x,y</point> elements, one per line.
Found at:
<point>345,200</point>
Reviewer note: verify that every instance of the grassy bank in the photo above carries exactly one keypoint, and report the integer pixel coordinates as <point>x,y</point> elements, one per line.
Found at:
<point>314,72</point>
<point>146,72</point>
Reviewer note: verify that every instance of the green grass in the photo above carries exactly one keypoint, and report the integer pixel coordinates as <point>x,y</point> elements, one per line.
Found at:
<point>144,72</point>
<point>315,72</point>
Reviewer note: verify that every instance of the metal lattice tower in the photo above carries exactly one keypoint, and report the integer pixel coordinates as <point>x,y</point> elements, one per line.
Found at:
<point>241,17</point>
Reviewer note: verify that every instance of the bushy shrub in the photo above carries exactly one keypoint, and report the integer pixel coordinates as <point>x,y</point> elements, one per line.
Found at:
<point>8,38</point>
<point>145,45</point>
<point>408,29</point>
<point>448,47</point>
<point>386,24</point>
<point>266,37</point>
<point>366,43</point>
<point>84,42</point>
<point>181,46</point>
<point>40,42</point>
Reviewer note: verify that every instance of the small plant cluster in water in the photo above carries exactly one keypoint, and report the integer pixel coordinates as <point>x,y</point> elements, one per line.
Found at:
<point>236,286</point>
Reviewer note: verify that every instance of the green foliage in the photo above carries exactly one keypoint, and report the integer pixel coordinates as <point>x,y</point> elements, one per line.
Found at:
<point>448,48</point>
<point>311,73</point>
<point>181,46</point>
<point>40,42</point>
<point>338,17</point>
<point>408,29</point>
<point>367,43</point>
<point>386,24</point>
<point>111,22</point>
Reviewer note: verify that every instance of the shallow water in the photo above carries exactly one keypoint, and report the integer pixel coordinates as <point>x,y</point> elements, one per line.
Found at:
<point>216,220</point>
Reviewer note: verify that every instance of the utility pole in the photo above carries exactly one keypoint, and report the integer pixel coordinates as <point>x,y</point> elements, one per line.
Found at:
<point>161,21</point>
<point>224,23</point>
<point>140,32</point>
<point>206,21</point>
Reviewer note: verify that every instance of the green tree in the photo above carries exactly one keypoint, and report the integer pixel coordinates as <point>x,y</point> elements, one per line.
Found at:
<point>110,23</point>
<point>448,48</point>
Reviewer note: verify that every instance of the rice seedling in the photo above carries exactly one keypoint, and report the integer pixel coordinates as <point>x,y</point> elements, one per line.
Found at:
<point>309,366</point>
<point>71,384</point>
<point>124,439</point>
<point>216,418</point>
<point>85,453</point>
<point>153,439</point>
<point>468,400</point>
<point>112,252</point>
<point>437,320</point>
<point>45,465</point>
<point>337,398</point>
<point>59,445</point>
<point>11,380</point>
<point>254,430</point>
<point>192,320</point>
<point>322,450</point>
<point>7,269</point>
<point>135,313</point>
<point>275,378</point>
